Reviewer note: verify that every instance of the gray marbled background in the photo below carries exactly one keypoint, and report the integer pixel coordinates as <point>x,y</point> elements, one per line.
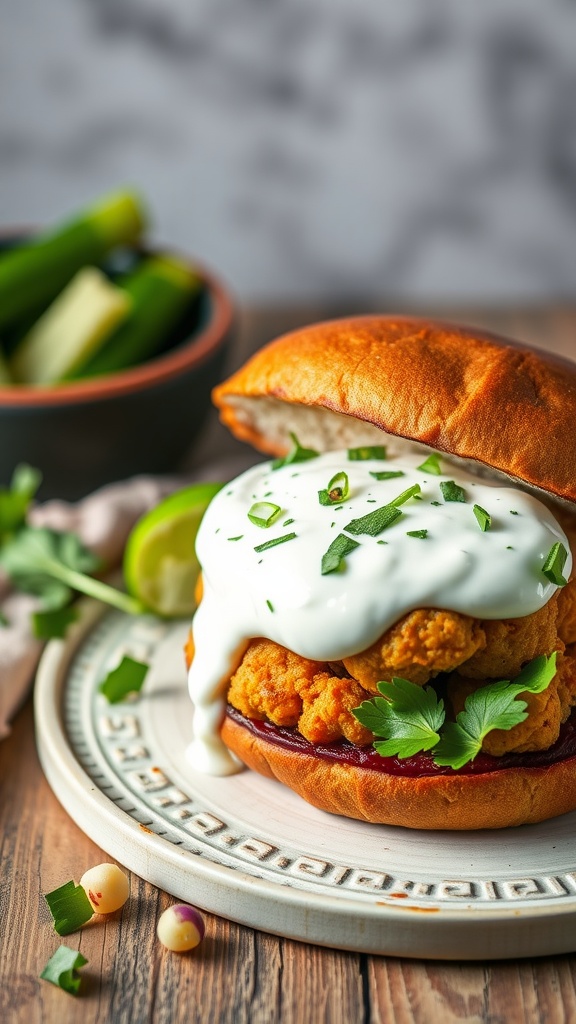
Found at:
<point>309,149</point>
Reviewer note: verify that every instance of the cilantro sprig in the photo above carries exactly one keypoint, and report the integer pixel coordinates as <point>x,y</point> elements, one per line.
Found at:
<point>49,564</point>
<point>411,718</point>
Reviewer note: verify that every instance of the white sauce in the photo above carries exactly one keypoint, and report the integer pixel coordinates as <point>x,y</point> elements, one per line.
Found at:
<point>489,575</point>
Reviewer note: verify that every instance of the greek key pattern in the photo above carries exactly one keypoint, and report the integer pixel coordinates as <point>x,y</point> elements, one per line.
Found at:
<point>118,759</point>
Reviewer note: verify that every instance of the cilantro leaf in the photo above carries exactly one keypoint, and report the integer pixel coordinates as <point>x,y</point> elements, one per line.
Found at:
<point>54,623</point>
<point>492,707</point>
<point>15,500</point>
<point>126,678</point>
<point>408,719</point>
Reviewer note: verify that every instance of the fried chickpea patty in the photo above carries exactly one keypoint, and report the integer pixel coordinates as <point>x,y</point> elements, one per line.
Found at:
<point>317,699</point>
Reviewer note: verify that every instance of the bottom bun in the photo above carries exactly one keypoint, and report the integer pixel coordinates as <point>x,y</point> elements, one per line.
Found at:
<point>498,798</point>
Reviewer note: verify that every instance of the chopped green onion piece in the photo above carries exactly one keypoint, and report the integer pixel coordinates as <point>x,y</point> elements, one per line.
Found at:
<point>376,521</point>
<point>236,538</point>
<point>554,564</point>
<point>287,522</point>
<point>513,513</point>
<point>381,541</point>
<point>417,533</point>
<point>62,969</point>
<point>451,491</point>
<point>411,492</point>
<point>274,543</point>
<point>70,907</point>
<point>53,623</point>
<point>338,490</point>
<point>438,503</point>
<point>431,465</point>
<point>264,513</point>
<point>484,518</point>
<point>270,605</point>
<point>296,454</point>
<point>374,451</point>
<point>333,558</point>
<point>387,474</point>
<point>126,678</point>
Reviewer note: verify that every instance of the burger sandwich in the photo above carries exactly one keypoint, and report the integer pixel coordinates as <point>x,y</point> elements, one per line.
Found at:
<point>387,623</point>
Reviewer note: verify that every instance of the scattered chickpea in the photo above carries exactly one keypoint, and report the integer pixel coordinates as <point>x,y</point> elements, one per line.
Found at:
<point>181,928</point>
<point>107,887</point>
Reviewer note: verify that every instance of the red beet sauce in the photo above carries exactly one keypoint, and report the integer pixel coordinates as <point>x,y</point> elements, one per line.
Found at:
<point>414,767</point>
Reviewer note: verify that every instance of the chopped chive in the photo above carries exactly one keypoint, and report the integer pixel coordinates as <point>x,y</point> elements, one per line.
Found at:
<point>451,491</point>
<point>62,969</point>
<point>484,518</point>
<point>69,906</point>
<point>268,493</point>
<point>333,558</point>
<point>431,465</point>
<point>287,522</point>
<point>436,503</point>
<point>375,451</point>
<point>274,543</point>
<point>374,522</point>
<point>381,541</point>
<point>296,454</point>
<point>387,474</point>
<point>554,564</point>
<point>418,497</point>
<point>236,538</point>
<point>264,513</point>
<point>338,508</point>
<point>509,547</point>
<point>513,513</point>
<point>410,492</point>
<point>126,678</point>
<point>421,534</point>
<point>270,605</point>
<point>371,501</point>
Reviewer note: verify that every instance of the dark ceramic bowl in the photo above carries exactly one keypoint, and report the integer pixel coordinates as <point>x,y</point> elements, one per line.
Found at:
<point>142,420</point>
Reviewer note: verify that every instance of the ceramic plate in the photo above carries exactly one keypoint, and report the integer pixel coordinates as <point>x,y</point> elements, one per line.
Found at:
<point>250,850</point>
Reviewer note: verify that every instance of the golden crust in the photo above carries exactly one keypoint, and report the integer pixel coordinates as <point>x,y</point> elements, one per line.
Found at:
<point>458,390</point>
<point>512,796</point>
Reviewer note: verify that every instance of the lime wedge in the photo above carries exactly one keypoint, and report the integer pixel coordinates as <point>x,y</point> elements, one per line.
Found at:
<point>160,564</point>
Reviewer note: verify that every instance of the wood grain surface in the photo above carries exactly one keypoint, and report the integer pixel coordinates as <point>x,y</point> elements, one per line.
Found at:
<point>237,975</point>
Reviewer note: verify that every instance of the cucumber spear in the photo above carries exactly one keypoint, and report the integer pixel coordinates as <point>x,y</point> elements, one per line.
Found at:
<point>160,289</point>
<point>32,274</point>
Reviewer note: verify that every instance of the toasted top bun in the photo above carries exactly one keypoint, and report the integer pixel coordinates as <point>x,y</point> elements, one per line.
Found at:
<point>508,408</point>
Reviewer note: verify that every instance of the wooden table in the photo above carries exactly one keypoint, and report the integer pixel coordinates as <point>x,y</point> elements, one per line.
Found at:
<point>237,975</point>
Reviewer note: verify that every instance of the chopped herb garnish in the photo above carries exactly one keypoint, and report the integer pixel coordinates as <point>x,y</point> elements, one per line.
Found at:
<point>374,522</point>
<point>387,474</point>
<point>236,538</point>
<point>333,558</point>
<point>70,907</point>
<point>274,543</point>
<point>438,503</point>
<point>513,513</point>
<point>483,517</point>
<point>374,451</point>
<point>410,492</point>
<point>418,497</point>
<point>268,493</point>
<point>126,678</point>
<point>431,465</point>
<point>554,564</point>
<point>270,605</point>
<point>296,454</point>
<point>371,501</point>
<point>338,490</point>
<point>422,534</point>
<point>381,541</point>
<point>451,491</point>
<point>509,547</point>
<point>287,522</point>
<point>62,969</point>
<point>264,513</point>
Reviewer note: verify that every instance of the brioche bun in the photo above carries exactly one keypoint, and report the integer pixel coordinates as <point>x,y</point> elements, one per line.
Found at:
<point>505,409</point>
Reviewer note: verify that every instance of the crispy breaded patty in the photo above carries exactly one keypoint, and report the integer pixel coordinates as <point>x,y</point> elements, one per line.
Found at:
<point>421,644</point>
